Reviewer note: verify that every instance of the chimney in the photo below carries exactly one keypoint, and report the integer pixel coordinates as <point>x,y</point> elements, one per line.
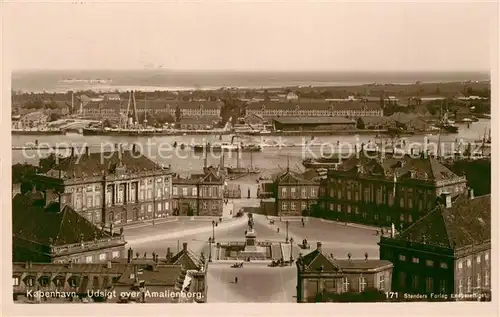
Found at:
<point>108,264</point>
<point>318,246</point>
<point>470,193</point>
<point>169,255</point>
<point>184,246</point>
<point>64,200</point>
<point>447,199</point>
<point>130,255</point>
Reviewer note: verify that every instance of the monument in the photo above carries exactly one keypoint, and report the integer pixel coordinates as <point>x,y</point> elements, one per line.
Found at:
<point>252,251</point>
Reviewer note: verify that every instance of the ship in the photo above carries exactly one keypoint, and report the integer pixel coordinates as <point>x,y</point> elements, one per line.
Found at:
<point>242,170</point>
<point>445,124</point>
<point>486,139</point>
<point>322,162</point>
<point>226,147</point>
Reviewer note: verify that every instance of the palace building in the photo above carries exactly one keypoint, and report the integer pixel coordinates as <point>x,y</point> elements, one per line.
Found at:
<point>387,189</point>
<point>447,251</point>
<point>296,192</point>
<point>198,195</point>
<point>116,187</point>
<point>319,274</point>
<point>45,228</point>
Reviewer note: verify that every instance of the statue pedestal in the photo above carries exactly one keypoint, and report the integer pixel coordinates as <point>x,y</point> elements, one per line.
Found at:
<point>251,249</point>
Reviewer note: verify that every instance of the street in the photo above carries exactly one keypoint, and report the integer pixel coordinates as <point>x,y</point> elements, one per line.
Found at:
<point>256,283</point>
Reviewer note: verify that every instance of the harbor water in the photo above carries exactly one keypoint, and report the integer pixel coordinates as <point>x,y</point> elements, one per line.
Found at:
<point>277,152</point>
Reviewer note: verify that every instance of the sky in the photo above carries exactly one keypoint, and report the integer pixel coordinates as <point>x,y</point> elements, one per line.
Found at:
<point>277,36</point>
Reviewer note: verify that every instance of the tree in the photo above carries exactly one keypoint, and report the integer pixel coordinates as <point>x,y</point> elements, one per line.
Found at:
<point>54,116</point>
<point>266,95</point>
<point>360,124</point>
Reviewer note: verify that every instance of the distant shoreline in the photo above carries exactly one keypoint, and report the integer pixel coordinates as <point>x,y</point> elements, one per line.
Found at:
<point>163,80</point>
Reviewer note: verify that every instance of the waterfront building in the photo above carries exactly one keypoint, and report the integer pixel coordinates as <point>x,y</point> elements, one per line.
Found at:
<point>106,110</point>
<point>296,193</point>
<point>116,187</point>
<point>350,108</point>
<point>33,120</point>
<point>386,189</point>
<point>446,252</point>
<point>198,195</point>
<point>311,123</point>
<point>198,123</point>
<point>291,96</point>
<point>45,228</point>
<point>320,274</point>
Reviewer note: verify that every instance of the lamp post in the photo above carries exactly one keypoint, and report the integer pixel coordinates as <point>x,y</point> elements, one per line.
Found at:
<point>291,251</point>
<point>213,230</point>
<point>210,249</point>
<point>286,231</point>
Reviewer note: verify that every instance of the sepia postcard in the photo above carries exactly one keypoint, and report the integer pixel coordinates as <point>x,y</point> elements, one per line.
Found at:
<point>238,154</point>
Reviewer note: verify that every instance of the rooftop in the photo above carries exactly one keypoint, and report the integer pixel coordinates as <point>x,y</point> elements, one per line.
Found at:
<point>291,177</point>
<point>317,261</point>
<point>314,120</point>
<point>467,222</point>
<point>102,163</point>
<point>402,167</point>
<point>44,223</point>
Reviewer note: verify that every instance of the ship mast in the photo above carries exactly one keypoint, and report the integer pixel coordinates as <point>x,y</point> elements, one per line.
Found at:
<point>145,111</point>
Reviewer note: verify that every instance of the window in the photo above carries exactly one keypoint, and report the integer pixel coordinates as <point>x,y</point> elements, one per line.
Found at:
<point>89,202</point>
<point>460,265</point>
<point>284,205</point>
<point>414,282</point>
<point>469,263</point>
<point>331,206</point>
<point>88,259</point>
<point>460,286</point>
<point>478,280</point>
<point>102,256</point>
<point>402,257</point>
<point>283,191</point>
<point>116,254</point>
<point>44,281</point>
<point>97,201</point>
<point>303,205</point>
<point>478,259</point>
<point>150,208</point>
<point>469,284</point>
<point>486,278</point>
<point>59,281</point>
<point>429,284</point>
<point>339,208</point>
<point>345,284</point>
<point>443,265</point>
<point>339,194</point>
<point>158,207</point>
<point>204,205</point>
<point>195,191</point>
<point>15,281</point>
<point>292,205</point>
<point>381,282</point>
<point>72,281</point>
<point>149,194</point>
<point>429,263</point>
<point>415,260</point>
<point>292,190</point>
<point>402,279</point>
<point>362,284</point>
<point>167,207</point>
<point>174,191</point>
<point>303,192</point>
<point>442,286</point>
<point>486,257</point>
<point>313,192</point>
<point>158,192</point>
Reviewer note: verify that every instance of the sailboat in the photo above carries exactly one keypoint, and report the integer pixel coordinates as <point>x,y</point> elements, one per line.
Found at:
<point>243,170</point>
<point>445,124</point>
<point>486,140</point>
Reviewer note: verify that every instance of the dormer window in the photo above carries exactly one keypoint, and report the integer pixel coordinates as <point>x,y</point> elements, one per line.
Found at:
<point>44,281</point>
<point>73,281</point>
<point>29,281</point>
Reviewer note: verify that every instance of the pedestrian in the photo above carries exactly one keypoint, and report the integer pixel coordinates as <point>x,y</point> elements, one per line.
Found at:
<point>278,230</point>
<point>236,280</point>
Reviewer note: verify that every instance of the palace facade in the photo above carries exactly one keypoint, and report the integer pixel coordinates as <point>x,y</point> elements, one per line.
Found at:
<point>387,189</point>
<point>116,187</point>
<point>198,195</point>
<point>296,192</point>
<point>319,274</point>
